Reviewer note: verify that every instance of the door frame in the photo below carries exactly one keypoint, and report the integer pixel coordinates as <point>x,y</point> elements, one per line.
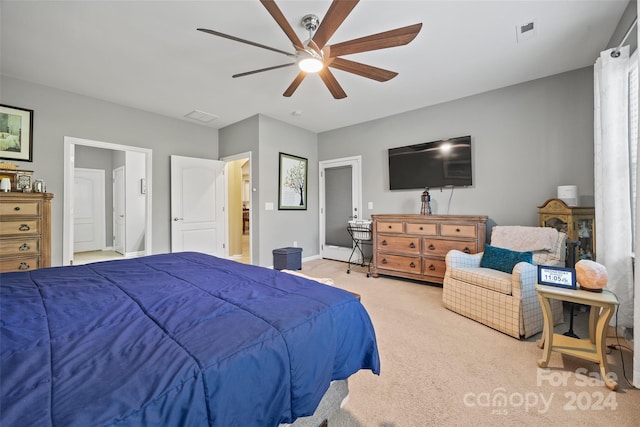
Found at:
<point>227,159</point>
<point>116,193</point>
<point>356,189</point>
<point>69,165</point>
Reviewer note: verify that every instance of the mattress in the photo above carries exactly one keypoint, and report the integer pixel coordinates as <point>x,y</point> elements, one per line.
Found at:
<point>173,340</point>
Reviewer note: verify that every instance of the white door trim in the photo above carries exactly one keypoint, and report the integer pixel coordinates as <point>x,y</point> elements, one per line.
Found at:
<point>119,194</point>
<point>356,176</point>
<point>69,165</point>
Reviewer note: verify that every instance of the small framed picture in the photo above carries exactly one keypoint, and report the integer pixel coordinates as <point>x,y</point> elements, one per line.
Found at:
<point>23,182</point>
<point>557,276</point>
<point>16,133</point>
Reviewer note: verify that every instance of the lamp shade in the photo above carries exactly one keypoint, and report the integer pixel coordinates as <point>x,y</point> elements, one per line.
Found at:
<point>5,184</point>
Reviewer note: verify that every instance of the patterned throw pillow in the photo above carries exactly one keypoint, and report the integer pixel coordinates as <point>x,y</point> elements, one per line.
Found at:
<point>503,259</point>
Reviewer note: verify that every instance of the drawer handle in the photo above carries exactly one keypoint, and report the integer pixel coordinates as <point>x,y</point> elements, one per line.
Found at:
<point>384,260</point>
<point>17,208</point>
<point>24,227</point>
<point>412,265</point>
<point>431,247</point>
<point>383,243</point>
<point>23,266</point>
<point>390,227</point>
<point>412,245</point>
<point>466,250</point>
<point>457,230</point>
<point>421,228</point>
<point>432,267</point>
<point>24,247</point>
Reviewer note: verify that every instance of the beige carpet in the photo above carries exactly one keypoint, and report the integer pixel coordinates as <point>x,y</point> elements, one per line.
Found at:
<point>441,369</point>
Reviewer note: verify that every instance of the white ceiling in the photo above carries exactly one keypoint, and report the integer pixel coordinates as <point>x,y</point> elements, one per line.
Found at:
<point>148,54</point>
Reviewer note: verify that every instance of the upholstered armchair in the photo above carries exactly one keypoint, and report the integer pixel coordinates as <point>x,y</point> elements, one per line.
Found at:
<point>504,300</point>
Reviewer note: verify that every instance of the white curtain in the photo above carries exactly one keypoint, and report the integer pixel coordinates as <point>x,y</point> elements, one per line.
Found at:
<point>613,178</point>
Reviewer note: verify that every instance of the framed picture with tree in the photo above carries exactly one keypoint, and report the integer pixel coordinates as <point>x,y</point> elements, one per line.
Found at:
<point>292,185</point>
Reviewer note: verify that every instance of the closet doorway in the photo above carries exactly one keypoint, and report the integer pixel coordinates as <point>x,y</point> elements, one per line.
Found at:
<point>136,163</point>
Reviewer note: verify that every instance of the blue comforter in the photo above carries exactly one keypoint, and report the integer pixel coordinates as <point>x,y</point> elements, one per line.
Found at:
<point>173,340</point>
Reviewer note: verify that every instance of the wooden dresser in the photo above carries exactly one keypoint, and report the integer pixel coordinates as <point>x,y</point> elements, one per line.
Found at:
<point>414,246</point>
<point>25,231</point>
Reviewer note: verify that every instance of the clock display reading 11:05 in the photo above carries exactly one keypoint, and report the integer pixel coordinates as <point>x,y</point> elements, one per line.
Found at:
<point>556,276</point>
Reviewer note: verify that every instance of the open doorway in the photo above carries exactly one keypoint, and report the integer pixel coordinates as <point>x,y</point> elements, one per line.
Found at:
<point>89,206</point>
<point>239,207</point>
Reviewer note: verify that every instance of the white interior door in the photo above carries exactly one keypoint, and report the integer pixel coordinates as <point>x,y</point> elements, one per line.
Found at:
<point>340,201</point>
<point>119,211</point>
<point>197,205</point>
<point>89,218</point>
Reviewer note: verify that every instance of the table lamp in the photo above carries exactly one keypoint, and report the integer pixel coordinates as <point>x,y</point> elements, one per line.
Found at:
<point>5,185</point>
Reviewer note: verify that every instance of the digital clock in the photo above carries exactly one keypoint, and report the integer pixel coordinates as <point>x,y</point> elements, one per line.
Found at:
<point>557,276</point>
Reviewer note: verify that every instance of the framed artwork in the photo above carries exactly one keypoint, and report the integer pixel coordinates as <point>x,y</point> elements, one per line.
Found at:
<point>16,133</point>
<point>292,185</point>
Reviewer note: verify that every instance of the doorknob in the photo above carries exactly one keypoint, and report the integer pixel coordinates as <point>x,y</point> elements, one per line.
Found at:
<point>178,219</point>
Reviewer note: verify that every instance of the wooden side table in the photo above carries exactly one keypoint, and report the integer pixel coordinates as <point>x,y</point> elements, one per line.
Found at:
<point>592,349</point>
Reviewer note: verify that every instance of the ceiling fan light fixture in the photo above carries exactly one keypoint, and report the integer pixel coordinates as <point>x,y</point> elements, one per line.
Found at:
<point>310,64</point>
<point>311,59</point>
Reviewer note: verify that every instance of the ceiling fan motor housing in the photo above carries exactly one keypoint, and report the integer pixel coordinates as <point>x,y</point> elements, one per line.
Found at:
<point>311,23</point>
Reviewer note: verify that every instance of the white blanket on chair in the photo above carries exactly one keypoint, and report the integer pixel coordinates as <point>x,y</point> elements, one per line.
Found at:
<point>521,238</point>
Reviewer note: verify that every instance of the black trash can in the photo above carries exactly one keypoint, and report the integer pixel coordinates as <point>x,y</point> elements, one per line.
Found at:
<point>287,259</point>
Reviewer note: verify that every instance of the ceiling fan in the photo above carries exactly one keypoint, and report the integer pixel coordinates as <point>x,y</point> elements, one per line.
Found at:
<point>315,56</point>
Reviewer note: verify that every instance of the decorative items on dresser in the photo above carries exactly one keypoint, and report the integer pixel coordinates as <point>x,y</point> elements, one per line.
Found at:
<point>414,246</point>
<point>25,231</point>
<point>578,222</point>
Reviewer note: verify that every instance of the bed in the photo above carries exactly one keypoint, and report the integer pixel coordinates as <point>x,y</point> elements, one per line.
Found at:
<point>183,339</point>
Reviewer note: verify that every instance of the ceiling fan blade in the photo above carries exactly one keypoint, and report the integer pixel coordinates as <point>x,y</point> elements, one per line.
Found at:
<point>275,67</point>
<point>294,85</point>
<point>392,38</point>
<point>364,70</point>
<point>276,13</point>
<point>332,84</point>
<point>335,16</point>
<point>237,39</point>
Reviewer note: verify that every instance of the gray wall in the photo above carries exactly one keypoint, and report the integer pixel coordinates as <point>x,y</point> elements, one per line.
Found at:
<point>265,138</point>
<point>58,114</point>
<point>527,140</point>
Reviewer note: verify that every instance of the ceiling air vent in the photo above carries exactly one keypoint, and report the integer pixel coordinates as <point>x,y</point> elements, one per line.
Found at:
<point>526,30</point>
<point>201,116</point>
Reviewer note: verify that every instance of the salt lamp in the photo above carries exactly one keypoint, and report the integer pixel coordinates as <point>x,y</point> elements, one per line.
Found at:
<point>590,275</point>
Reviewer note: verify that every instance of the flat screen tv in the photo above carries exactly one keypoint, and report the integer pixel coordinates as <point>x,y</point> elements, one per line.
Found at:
<point>445,163</point>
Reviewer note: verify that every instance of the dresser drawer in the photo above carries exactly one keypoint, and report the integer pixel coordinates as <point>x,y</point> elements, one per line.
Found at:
<point>441,247</point>
<point>20,264</point>
<point>26,226</point>
<point>423,229</point>
<point>458,230</point>
<point>399,244</point>
<point>434,267</point>
<point>389,227</point>
<point>399,263</point>
<point>26,246</point>
<point>10,208</point>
